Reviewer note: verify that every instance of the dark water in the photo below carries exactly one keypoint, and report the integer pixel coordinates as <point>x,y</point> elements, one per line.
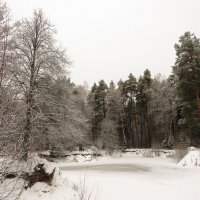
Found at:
<point>108,168</point>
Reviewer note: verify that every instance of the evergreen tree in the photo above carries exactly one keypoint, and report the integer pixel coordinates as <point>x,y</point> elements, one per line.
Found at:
<point>101,95</point>
<point>129,91</point>
<point>143,97</point>
<point>97,102</point>
<point>113,102</point>
<point>187,79</point>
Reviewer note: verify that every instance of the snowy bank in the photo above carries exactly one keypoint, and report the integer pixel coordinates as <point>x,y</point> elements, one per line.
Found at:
<point>151,153</point>
<point>73,156</point>
<point>42,191</point>
<point>60,189</point>
<point>192,159</point>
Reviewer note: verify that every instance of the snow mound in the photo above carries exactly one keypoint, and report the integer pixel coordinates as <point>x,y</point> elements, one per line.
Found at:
<point>32,162</point>
<point>191,149</point>
<point>61,189</point>
<point>42,191</point>
<point>192,159</point>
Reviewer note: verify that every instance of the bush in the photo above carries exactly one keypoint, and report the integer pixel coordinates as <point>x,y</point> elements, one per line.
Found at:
<point>168,142</point>
<point>55,152</point>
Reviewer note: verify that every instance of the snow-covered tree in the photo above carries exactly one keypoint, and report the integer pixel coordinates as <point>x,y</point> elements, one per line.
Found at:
<point>61,118</point>
<point>36,55</point>
<point>187,80</point>
<point>116,112</point>
<point>162,109</point>
<point>97,101</point>
<point>143,98</point>
<point>109,137</point>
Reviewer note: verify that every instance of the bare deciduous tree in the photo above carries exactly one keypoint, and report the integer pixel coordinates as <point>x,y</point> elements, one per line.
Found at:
<point>162,108</point>
<point>36,56</point>
<point>61,122</point>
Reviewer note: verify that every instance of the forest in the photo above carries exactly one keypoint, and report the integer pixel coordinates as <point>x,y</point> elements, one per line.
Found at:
<point>147,127</point>
<point>42,109</point>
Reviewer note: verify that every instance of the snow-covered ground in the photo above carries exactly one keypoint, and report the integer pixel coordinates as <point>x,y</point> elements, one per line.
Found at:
<point>191,159</point>
<point>130,177</point>
<point>59,189</point>
<point>136,174</point>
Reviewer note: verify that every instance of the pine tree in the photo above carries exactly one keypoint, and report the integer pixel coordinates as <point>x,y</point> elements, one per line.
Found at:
<point>101,95</point>
<point>143,97</point>
<point>129,91</point>
<point>187,79</point>
<point>97,101</point>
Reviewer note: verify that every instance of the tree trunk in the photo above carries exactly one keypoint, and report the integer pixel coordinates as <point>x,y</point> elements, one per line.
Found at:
<point>132,134</point>
<point>141,129</point>
<point>198,102</point>
<point>27,132</point>
<point>123,132</point>
<point>136,130</point>
<point>145,131</point>
<point>149,132</point>
<point>30,105</point>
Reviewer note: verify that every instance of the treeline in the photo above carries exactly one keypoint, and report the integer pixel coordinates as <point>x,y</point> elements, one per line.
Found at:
<point>151,112</point>
<point>134,113</point>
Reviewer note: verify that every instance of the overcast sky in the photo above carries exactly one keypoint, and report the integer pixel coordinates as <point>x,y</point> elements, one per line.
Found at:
<point>108,39</point>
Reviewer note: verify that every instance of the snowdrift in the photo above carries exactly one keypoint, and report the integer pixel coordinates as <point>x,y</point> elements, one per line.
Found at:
<point>192,159</point>
<point>60,189</point>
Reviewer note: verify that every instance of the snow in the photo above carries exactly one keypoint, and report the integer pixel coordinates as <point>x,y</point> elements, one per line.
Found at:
<point>88,156</point>
<point>76,156</point>
<point>136,174</point>
<point>42,191</point>
<point>151,153</point>
<point>192,159</point>
<point>61,189</point>
<point>130,177</point>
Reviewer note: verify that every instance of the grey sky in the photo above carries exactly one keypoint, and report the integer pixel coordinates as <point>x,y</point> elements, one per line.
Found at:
<point>108,39</point>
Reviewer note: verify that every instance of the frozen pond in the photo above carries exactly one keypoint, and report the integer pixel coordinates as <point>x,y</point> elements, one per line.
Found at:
<point>136,168</point>
<point>136,178</point>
